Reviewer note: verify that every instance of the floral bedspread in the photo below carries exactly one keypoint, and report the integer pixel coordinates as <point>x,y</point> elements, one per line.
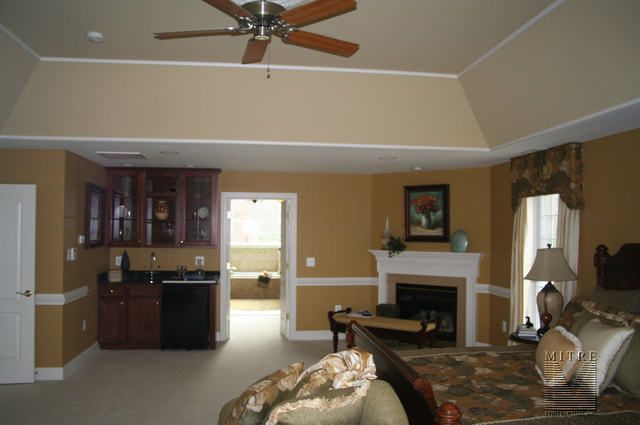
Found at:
<point>495,384</point>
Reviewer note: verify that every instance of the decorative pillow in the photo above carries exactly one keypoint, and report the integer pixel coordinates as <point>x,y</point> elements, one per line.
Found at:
<point>610,344</point>
<point>557,356</point>
<point>329,392</point>
<point>607,312</point>
<point>570,311</point>
<point>627,378</point>
<point>254,403</point>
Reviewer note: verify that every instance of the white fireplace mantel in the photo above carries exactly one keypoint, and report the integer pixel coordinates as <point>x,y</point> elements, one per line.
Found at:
<point>424,263</point>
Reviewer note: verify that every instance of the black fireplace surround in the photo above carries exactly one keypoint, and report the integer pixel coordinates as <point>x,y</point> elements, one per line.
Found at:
<point>429,302</point>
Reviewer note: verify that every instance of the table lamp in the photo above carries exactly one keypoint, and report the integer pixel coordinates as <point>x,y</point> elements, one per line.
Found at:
<point>549,265</point>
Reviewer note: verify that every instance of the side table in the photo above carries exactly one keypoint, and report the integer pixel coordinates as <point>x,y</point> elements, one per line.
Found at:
<point>533,340</point>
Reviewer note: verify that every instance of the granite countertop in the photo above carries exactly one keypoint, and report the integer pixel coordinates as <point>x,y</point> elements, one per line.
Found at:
<point>161,276</point>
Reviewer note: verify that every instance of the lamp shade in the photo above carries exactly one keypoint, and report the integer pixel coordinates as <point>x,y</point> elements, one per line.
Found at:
<point>550,265</point>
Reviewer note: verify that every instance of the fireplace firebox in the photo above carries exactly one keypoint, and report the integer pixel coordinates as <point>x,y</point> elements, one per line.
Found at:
<point>429,302</point>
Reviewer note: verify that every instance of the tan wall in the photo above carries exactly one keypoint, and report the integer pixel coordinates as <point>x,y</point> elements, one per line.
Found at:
<point>46,170</point>
<point>501,236</point>
<point>16,65</point>
<point>610,215</point>
<point>48,335</point>
<point>498,311</point>
<point>582,58</point>
<point>113,100</point>
<point>612,204</point>
<point>60,178</point>
<point>315,301</point>
<point>470,209</point>
<point>90,262</point>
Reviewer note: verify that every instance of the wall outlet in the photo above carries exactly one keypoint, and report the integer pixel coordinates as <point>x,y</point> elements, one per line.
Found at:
<point>72,254</point>
<point>199,260</point>
<point>311,261</point>
<point>84,325</point>
<point>118,260</point>
<point>504,326</point>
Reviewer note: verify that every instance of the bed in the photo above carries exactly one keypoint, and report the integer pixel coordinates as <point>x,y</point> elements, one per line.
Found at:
<point>423,379</point>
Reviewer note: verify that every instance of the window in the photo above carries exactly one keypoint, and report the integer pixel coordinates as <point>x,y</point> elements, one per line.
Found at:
<point>255,223</point>
<point>542,229</point>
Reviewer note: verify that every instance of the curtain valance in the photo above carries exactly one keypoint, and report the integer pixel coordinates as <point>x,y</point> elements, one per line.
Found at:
<point>555,170</point>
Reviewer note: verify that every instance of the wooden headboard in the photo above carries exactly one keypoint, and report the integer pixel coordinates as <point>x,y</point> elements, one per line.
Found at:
<point>620,271</point>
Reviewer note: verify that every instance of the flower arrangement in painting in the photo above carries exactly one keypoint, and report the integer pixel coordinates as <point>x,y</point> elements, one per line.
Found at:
<point>426,204</point>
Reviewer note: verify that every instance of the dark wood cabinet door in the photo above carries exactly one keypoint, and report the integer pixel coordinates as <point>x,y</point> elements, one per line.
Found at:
<point>199,192</point>
<point>143,316</point>
<point>112,320</point>
<point>124,203</point>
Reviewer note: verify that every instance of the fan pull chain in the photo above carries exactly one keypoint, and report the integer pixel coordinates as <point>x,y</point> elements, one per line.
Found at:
<point>269,62</point>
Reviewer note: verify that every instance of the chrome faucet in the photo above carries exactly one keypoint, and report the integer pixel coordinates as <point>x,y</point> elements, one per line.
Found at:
<point>152,260</point>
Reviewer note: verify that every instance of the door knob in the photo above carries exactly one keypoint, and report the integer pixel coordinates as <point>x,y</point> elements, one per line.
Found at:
<point>26,293</point>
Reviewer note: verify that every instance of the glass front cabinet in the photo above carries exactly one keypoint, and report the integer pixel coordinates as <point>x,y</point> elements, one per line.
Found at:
<point>158,207</point>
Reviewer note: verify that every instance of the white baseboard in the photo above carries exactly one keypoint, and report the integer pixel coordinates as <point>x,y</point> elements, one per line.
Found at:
<point>49,374</point>
<point>482,344</point>
<point>59,373</point>
<point>314,336</point>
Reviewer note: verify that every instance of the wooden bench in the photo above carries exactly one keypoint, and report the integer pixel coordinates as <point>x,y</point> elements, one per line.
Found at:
<point>412,331</point>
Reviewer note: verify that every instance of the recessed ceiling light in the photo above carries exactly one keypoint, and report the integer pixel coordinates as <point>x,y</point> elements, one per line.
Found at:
<point>94,36</point>
<point>417,168</point>
<point>127,165</point>
<point>169,153</point>
<point>387,158</point>
<point>190,166</point>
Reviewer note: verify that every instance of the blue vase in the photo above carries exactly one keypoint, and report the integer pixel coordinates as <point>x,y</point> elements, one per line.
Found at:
<point>459,241</point>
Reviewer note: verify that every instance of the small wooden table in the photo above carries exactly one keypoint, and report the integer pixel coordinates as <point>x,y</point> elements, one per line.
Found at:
<point>533,340</point>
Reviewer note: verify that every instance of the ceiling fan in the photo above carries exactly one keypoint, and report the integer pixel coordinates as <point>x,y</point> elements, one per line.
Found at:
<point>265,18</point>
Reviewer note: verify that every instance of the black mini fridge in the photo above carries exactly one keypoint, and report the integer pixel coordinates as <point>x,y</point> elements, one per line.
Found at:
<point>185,316</point>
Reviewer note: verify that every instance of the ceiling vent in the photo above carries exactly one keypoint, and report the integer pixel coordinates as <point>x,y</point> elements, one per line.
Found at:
<point>121,155</point>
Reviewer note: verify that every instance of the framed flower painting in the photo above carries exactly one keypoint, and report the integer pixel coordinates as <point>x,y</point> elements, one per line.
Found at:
<point>426,213</point>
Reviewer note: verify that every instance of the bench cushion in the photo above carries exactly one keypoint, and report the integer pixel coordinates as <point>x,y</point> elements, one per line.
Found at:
<point>385,323</point>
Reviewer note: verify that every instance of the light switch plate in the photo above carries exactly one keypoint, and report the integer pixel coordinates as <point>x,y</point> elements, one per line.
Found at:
<point>80,239</point>
<point>311,261</point>
<point>118,260</point>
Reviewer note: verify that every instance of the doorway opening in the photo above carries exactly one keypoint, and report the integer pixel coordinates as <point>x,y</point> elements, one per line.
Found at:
<point>257,245</point>
<point>254,257</point>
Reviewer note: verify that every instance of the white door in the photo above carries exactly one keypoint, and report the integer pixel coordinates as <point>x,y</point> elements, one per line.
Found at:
<point>17,282</point>
<point>284,266</point>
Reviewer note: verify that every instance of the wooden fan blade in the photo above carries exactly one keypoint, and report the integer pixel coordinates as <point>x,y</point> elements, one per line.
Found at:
<point>255,50</point>
<point>195,33</point>
<point>230,8</point>
<point>322,43</point>
<point>317,11</point>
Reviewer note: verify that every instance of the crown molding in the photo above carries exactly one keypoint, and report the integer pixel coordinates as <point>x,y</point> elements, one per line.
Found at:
<point>19,41</point>
<point>512,36</point>
<point>248,66</point>
<point>79,139</point>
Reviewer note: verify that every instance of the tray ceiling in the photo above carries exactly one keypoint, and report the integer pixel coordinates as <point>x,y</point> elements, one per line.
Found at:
<point>411,35</point>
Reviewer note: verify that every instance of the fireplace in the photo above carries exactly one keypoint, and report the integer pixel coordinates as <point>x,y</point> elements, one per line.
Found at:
<point>453,269</point>
<point>430,302</point>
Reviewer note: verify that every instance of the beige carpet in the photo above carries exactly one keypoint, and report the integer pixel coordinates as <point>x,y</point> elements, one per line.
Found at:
<point>158,387</point>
